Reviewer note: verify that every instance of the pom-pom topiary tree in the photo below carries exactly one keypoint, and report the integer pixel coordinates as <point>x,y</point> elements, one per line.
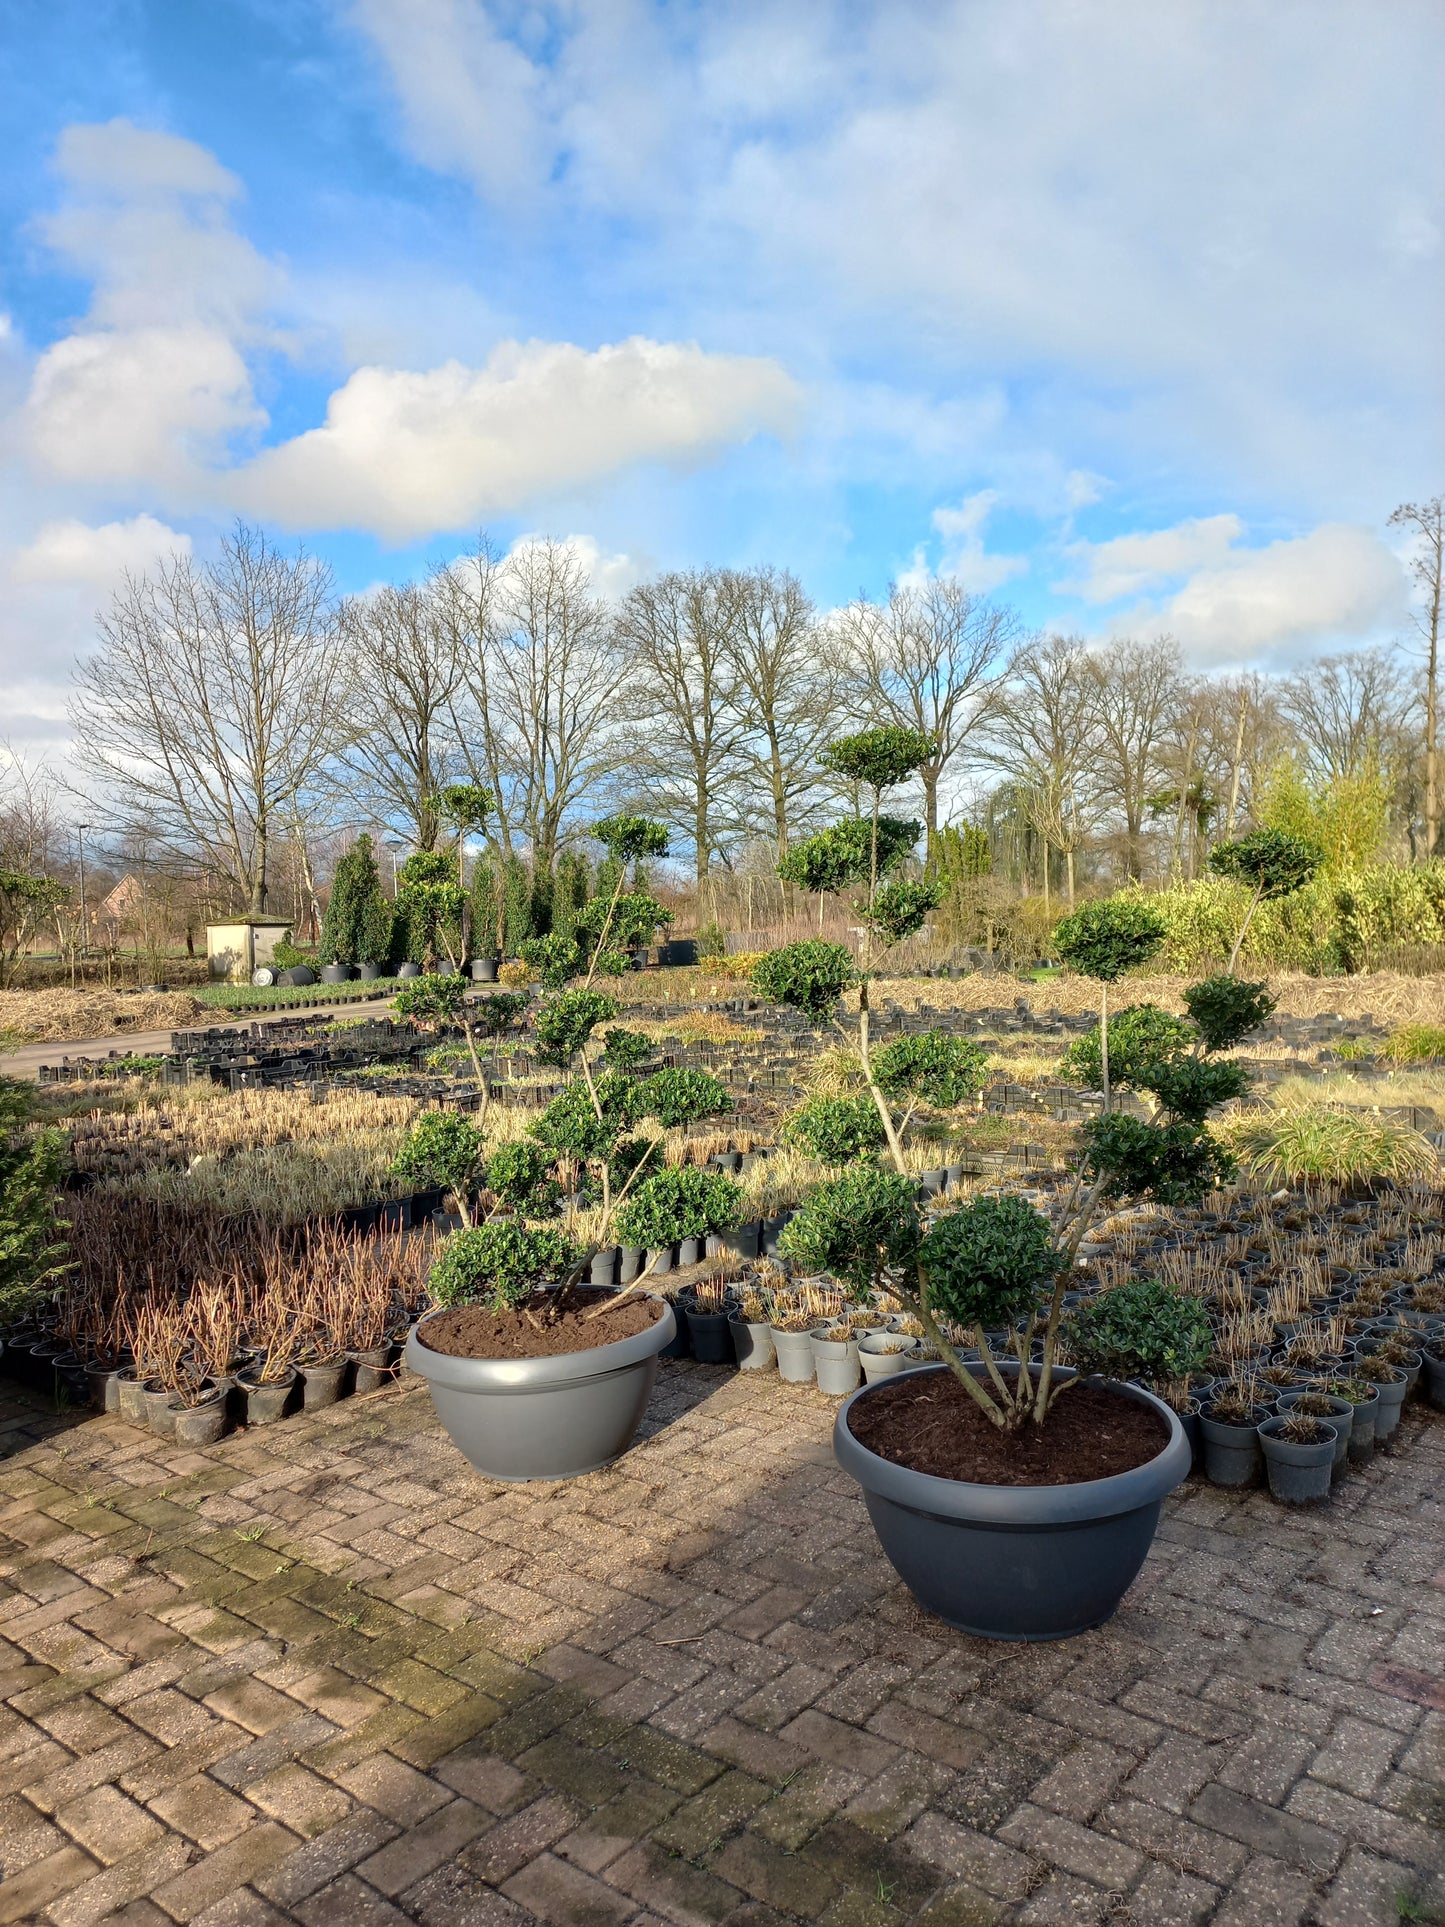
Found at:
<point>1272,863</point>
<point>1105,941</point>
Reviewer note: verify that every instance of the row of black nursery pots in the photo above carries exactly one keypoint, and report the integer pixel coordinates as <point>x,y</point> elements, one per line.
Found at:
<point>624,1264</point>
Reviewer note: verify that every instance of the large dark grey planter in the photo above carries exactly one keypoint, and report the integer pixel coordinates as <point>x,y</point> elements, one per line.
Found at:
<point>484,970</point>
<point>408,970</point>
<point>336,973</point>
<point>543,1418</point>
<point>1015,1562</point>
<point>368,972</point>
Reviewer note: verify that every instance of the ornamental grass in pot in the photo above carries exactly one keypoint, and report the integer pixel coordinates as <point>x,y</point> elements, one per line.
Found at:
<point>1015,1497</point>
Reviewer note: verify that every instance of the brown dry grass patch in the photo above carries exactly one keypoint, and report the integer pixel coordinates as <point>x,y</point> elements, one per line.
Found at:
<point>68,1016</point>
<point>1384,994</point>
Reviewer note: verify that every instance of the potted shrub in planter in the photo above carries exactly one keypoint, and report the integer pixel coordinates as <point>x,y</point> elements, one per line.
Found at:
<point>1299,1454</point>
<point>533,1376</point>
<point>1015,1499</point>
<point>681,1202</point>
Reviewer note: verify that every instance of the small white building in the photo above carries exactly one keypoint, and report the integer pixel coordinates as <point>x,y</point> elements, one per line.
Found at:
<point>234,950</point>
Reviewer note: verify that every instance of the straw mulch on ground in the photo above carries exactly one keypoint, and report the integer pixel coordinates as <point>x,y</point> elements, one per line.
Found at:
<point>1385,995</point>
<point>67,1016</point>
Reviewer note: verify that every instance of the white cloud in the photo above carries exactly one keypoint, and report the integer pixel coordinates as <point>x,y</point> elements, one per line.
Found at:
<point>70,551</point>
<point>1336,584</point>
<point>964,554</point>
<point>610,574</point>
<point>404,454</point>
<point>1131,564</point>
<point>149,405</point>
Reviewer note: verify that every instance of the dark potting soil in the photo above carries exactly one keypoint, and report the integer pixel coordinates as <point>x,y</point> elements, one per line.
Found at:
<point>927,1422</point>
<point>538,1330</point>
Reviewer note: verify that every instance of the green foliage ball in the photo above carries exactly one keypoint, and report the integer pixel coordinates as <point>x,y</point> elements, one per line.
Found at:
<point>809,976</point>
<point>1106,940</point>
<point>1142,1329</point>
<point>856,1227</point>
<point>836,1130</point>
<point>933,1066</point>
<point>500,1265</point>
<point>988,1262</point>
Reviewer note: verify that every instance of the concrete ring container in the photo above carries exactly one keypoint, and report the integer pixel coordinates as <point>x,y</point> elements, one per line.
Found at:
<point>543,1418</point>
<point>1015,1562</point>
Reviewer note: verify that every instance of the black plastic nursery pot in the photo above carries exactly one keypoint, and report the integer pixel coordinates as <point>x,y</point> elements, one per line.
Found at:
<point>515,1419</point>
<point>1015,1562</point>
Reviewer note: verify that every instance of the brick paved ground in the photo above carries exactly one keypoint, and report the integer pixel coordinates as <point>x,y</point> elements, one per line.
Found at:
<point>322,1673</point>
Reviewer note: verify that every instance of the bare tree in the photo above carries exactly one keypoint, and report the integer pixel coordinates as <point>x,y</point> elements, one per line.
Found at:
<point>683,755</point>
<point>1136,689</point>
<point>929,659</point>
<point>547,679</point>
<point>210,709</point>
<point>1042,734</point>
<point>788,701</point>
<point>1426,520</point>
<point>406,674</point>
<point>1346,711</point>
<point>465,596</point>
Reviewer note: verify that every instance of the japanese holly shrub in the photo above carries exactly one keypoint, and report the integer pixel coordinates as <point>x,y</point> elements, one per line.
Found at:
<point>1143,1329</point>
<point>682,1201</point>
<point>1138,1037</point>
<point>626,1049</point>
<point>520,1176</point>
<point>570,1126</point>
<point>500,1265</point>
<point>565,1022</point>
<point>880,758</point>
<point>445,1148</point>
<point>987,1263</point>
<point>552,958</point>
<point>857,1226</point>
<point>676,1096</point>
<point>839,857</point>
<point>931,1066</point>
<point>1107,940</point>
<point>836,1130</point>
<point>809,976</point>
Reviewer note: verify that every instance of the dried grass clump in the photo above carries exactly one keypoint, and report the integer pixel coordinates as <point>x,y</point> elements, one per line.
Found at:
<point>75,1016</point>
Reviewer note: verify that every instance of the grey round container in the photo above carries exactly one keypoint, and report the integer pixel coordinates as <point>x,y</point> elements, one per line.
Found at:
<point>794,1354</point>
<point>753,1345</point>
<point>1015,1562</point>
<point>1341,1415</point>
<point>336,973</point>
<point>1387,1412</point>
<point>1362,1427</point>
<point>880,1363</point>
<point>1299,1474</point>
<point>835,1363</point>
<point>1232,1454</point>
<point>514,1419</point>
<point>1433,1367</point>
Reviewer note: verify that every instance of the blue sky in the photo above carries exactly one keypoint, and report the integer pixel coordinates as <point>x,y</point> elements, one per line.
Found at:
<point>1127,314</point>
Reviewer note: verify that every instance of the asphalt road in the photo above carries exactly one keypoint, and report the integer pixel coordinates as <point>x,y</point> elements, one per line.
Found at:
<point>26,1062</point>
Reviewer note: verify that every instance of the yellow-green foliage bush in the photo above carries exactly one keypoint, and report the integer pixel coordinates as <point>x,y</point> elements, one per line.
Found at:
<point>1348,921</point>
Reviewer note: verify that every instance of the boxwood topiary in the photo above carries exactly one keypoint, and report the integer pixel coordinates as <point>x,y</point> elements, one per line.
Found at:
<point>836,1130</point>
<point>1142,1329</point>
<point>988,1262</point>
<point>683,1201</point>
<point>677,1096</point>
<point>500,1265</point>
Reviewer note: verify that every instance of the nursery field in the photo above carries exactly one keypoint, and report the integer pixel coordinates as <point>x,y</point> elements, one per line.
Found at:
<point>273,1650</point>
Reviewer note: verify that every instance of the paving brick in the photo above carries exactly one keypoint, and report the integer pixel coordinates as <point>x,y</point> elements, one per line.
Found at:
<point>1268,1894</point>
<point>348,1902</point>
<point>325,1858</point>
<point>678,1892</point>
<point>1111,1864</point>
<point>203,1811</point>
<point>43,1882</point>
<point>1356,1757</point>
<point>129,1879</point>
<point>219,1873</point>
<point>504,1848</point>
<point>108,1825</point>
<point>413,1854</point>
<point>1165,1897</point>
<point>1283,1836</point>
<point>301,1800</point>
<point>792,1883</point>
<point>554,1891</point>
<point>1083,1780</point>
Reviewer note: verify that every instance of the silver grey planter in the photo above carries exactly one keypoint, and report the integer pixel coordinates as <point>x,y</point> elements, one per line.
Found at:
<point>1015,1562</point>
<point>543,1418</point>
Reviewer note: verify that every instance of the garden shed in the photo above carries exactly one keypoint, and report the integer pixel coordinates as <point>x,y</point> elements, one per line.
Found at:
<point>234,950</point>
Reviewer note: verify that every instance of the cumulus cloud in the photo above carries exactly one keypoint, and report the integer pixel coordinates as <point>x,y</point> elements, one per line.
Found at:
<point>405,454</point>
<point>1272,605</point>
<point>67,550</point>
<point>1131,564</point>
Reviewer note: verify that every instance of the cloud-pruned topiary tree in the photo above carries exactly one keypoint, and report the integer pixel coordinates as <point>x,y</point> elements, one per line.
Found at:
<point>1272,863</point>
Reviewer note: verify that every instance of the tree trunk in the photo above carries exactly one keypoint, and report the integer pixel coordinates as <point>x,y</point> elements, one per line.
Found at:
<point>258,872</point>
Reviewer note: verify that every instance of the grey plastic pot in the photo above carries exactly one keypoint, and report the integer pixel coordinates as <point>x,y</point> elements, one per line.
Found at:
<point>1387,1411</point>
<point>484,970</point>
<point>408,970</point>
<point>1015,1562</point>
<point>835,1364</point>
<point>160,1409</point>
<point>374,1368</point>
<point>336,973</point>
<point>543,1418</point>
<point>1341,1415</point>
<point>689,1252</point>
<point>321,1384</point>
<point>878,1363</point>
<point>1433,1370</point>
<point>265,1403</point>
<point>795,1356</point>
<point>752,1345</point>
<point>201,1424</point>
<point>131,1394</point>
<point>368,973</point>
<point>104,1381</point>
<point>1232,1455</point>
<point>1298,1474</point>
<point>603,1270</point>
<point>1362,1428</point>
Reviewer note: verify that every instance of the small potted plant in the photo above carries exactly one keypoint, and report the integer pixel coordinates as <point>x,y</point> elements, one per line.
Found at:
<point>1299,1454</point>
<point>532,1377</point>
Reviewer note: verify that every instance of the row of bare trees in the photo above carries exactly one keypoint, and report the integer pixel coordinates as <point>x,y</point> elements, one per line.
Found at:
<point>237,714</point>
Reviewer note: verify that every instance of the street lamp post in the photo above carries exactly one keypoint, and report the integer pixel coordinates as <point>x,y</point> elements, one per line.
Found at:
<point>80,830</point>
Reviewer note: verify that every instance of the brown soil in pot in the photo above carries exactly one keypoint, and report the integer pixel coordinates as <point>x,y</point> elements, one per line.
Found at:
<point>474,1331</point>
<point>927,1422</point>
